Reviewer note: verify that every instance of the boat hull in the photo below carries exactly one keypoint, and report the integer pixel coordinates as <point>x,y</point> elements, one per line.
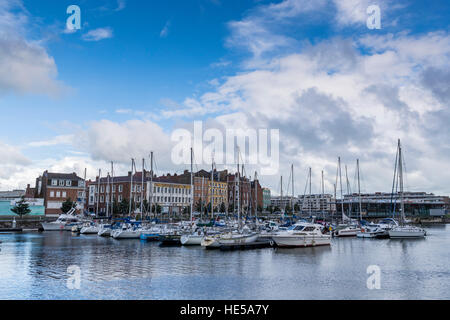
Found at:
<point>406,234</point>
<point>210,243</point>
<point>191,240</point>
<point>49,226</point>
<point>301,241</point>
<point>241,239</point>
<point>170,240</point>
<point>126,234</point>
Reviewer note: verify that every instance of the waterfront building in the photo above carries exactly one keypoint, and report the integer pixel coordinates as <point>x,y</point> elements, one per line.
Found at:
<point>111,191</point>
<point>317,203</point>
<point>55,188</point>
<point>381,204</point>
<point>282,202</point>
<point>8,200</point>
<point>173,198</point>
<point>266,198</point>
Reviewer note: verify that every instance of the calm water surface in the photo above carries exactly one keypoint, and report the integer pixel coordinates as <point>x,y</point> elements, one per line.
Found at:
<point>34,266</point>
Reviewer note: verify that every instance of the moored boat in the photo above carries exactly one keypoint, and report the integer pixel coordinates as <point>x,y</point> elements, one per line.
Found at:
<point>302,235</point>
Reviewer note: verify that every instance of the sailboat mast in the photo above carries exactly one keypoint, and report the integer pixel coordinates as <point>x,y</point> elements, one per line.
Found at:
<point>322,198</point>
<point>211,197</point>
<point>340,182</point>
<point>142,188</point>
<point>112,189</point>
<point>281,202</point>
<point>107,196</point>
<point>131,187</point>
<point>256,195</point>
<point>151,183</point>
<point>238,192</point>
<point>359,191</point>
<point>98,190</point>
<point>192,185</point>
<point>400,172</point>
<point>310,194</point>
<point>292,199</point>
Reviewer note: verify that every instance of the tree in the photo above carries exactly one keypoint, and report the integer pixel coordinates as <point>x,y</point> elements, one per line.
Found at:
<point>68,205</point>
<point>21,208</point>
<point>124,206</point>
<point>231,208</point>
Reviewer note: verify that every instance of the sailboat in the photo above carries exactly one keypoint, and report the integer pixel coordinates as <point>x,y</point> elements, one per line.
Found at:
<point>404,231</point>
<point>347,228</point>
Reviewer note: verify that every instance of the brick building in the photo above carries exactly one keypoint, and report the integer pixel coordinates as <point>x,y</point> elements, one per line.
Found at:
<point>55,188</point>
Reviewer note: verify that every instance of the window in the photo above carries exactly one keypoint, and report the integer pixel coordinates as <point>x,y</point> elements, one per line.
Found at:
<point>64,194</point>
<point>120,188</point>
<point>52,194</point>
<point>119,198</point>
<point>102,189</point>
<point>113,189</point>
<point>58,194</point>
<point>102,199</point>
<point>138,188</point>
<point>54,182</point>
<point>68,183</point>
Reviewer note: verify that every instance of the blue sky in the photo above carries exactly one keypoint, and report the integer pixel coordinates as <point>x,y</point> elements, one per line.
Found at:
<point>167,63</point>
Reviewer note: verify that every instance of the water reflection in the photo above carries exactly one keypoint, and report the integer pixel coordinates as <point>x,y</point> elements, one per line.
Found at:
<point>34,266</point>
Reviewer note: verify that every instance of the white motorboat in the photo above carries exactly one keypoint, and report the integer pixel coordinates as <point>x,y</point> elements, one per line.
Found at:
<point>407,232</point>
<point>61,222</point>
<point>210,242</point>
<point>238,238</point>
<point>302,234</point>
<point>89,228</point>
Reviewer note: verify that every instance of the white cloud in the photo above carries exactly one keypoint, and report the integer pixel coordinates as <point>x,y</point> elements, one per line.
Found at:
<point>98,34</point>
<point>330,100</point>
<point>58,140</point>
<point>25,66</point>
<point>112,141</point>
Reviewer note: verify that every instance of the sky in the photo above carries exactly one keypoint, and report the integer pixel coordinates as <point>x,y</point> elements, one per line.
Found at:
<point>135,72</point>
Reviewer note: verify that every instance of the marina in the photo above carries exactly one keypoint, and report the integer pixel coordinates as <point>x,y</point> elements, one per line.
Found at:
<point>36,263</point>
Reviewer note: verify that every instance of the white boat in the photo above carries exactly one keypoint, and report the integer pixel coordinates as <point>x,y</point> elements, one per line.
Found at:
<point>302,234</point>
<point>192,239</point>
<point>210,242</point>
<point>403,231</point>
<point>347,231</point>
<point>407,232</point>
<point>237,238</point>
<point>127,232</point>
<point>89,228</point>
<point>104,230</point>
<point>372,231</point>
<point>61,222</point>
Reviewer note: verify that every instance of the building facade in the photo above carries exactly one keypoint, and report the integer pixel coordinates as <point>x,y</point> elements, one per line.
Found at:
<point>55,188</point>
<point>266,198</point>
<point>317,203</point>
<point>381,204</point>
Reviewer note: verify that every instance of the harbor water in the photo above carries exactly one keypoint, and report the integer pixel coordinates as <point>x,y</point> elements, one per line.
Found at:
<point>38,266</point>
